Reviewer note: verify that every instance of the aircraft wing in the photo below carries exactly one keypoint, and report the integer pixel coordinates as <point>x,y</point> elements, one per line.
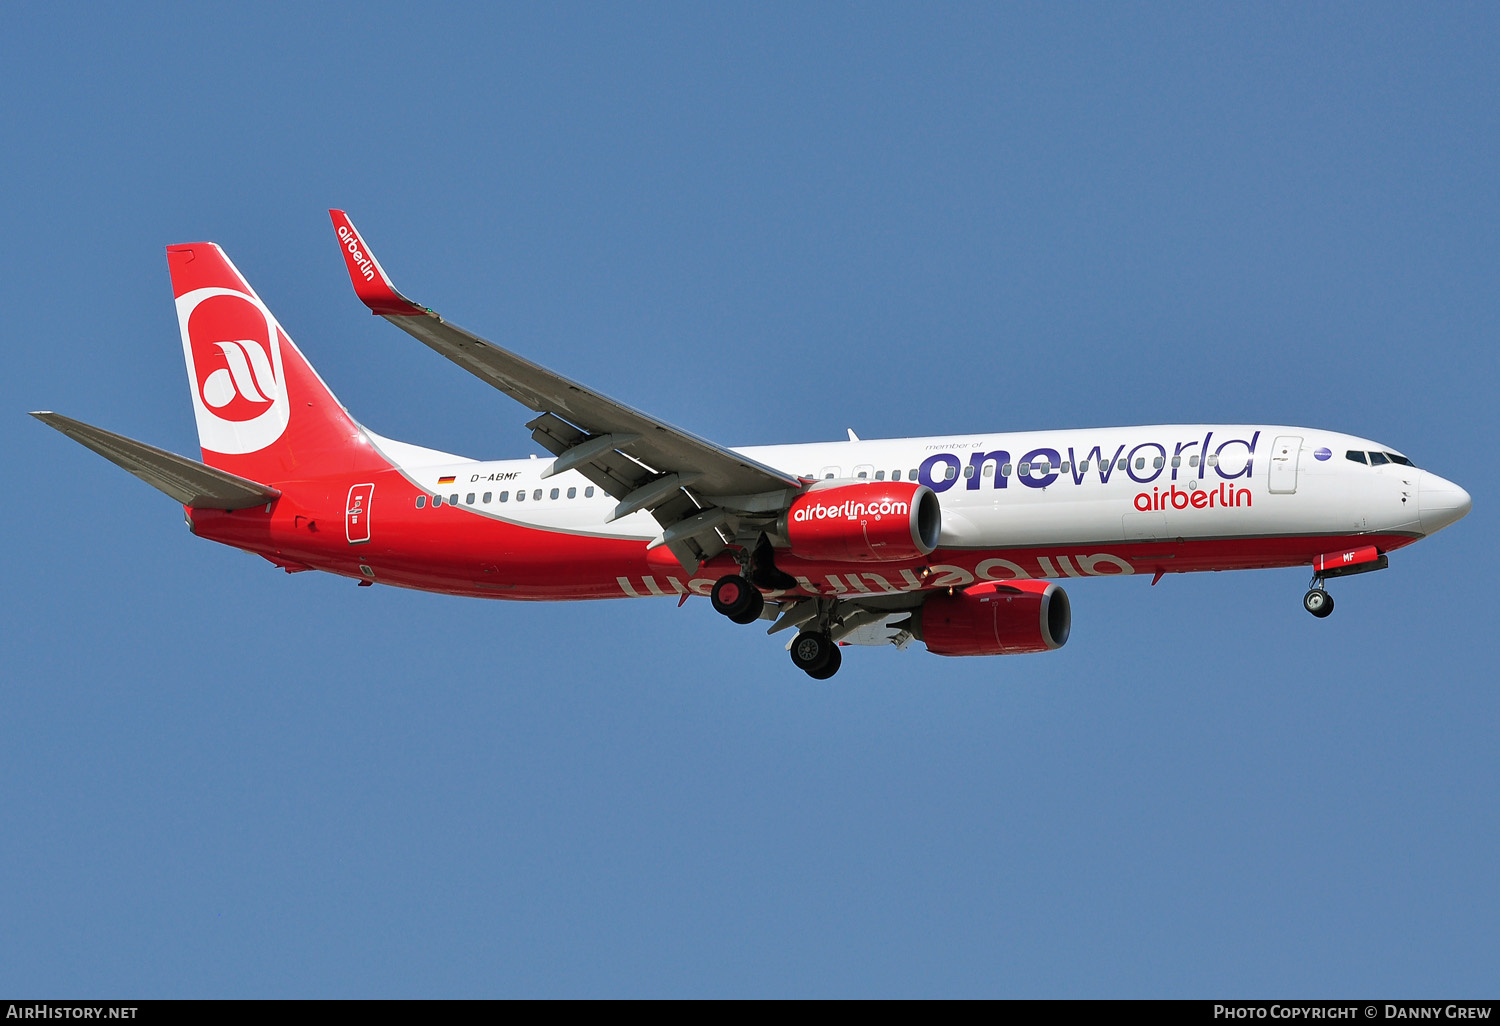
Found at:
<point>701,493</point>
<point>188,481</point>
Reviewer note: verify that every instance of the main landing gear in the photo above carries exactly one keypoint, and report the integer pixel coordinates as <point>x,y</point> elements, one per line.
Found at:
<point>816,654</point>
<point>738,599</point>
<point>738,596</point>
<point>813,651</point>
<point>1317,601</point>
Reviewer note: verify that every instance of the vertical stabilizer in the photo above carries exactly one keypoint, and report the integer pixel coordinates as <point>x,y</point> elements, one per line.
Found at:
<point>262,411</point>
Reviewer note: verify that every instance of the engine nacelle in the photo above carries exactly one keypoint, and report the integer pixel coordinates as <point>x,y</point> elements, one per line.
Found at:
<point>995,618</point>
<point>870,522</point>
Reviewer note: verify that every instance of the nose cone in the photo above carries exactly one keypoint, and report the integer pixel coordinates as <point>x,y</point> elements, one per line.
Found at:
<point>1441,503</point>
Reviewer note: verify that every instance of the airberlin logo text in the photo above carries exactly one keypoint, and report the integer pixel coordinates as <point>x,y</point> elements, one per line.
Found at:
<point>1222,498</point>
<point>1226,459</point>
<point>361,260</point>
<point>850,510</point>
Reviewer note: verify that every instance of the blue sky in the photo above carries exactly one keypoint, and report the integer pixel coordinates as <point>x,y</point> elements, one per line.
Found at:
<point>766,224</point>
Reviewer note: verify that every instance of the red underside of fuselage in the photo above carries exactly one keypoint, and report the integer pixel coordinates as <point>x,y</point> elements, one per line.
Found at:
<point>459,551</point>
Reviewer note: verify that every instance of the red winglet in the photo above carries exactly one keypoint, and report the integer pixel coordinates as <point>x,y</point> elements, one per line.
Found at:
<point>370,282</point>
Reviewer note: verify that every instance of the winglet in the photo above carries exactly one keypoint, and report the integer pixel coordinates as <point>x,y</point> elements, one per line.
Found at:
<point>371,284</point>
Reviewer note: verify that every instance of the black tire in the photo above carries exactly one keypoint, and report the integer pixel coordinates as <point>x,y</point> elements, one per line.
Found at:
<point>737,599</point>
<point>812,651</point>
<point>1318,602</point>
<point>751,612</point>
<point>835,660</point>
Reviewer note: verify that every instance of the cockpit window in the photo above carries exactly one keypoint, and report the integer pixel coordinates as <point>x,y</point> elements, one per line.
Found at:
<point>1355,455</point>
<point>1402,460</point>
<point>1378,459</point>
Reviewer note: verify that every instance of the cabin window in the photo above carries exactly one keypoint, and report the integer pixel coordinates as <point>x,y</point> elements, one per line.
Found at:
<point>1157,463</point>
<point>1043,466</point>
<point>1213,461</point>
<point>421,501</point>
<point>520,495</point>
<point>951,474</point>
<point>1140,463</point>
<point>895,475</point>
<point>863,474</point>
<point>437,500</point>
<point>1024,468</point>
<point>989,470</point>
<point>1176,462</point>
<point>880,475</point>
<point>969,470</point>
<point>1377,459</point>
<point>469,499</point>
<point>487,497</point>
<point>1005,470</point>
<point>1120,463</point>
<point>554,493</point>
<point>1065,468</point>
<point>1083,466</point>
<point>572,493</point>
<point>505,496</point>
<point>1355,456</point>
<point>588,493</point>
<point>453,499</point>
<point>536,496</point>
<point>1192,461</point>
<point>912,475</point>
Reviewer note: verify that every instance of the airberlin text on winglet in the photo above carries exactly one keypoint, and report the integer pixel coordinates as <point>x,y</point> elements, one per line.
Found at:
<point>361,259</point>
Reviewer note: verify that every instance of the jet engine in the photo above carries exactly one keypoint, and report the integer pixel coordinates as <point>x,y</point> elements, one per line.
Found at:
<point>870,522</point>
<point>995,618</point>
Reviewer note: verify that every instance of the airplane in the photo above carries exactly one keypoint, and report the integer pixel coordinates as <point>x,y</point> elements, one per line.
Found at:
<point>956,541</point>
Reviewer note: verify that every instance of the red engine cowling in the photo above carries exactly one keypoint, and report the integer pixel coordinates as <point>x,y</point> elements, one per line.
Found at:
<point>996,619</point>
<point>873,522</point>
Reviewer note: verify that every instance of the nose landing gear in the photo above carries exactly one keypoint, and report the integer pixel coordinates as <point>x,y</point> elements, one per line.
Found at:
<point>1317,601</point>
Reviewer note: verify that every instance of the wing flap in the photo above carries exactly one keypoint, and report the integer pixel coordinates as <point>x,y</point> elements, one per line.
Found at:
<point>610,469</point>
<point>188,481</point>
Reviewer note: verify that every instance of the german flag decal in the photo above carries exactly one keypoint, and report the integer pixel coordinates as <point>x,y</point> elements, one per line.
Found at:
<point>446,480</point>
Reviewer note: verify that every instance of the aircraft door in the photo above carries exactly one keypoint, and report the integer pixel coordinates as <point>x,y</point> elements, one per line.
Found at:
<point>357,513</point>
<point>1284,455</point>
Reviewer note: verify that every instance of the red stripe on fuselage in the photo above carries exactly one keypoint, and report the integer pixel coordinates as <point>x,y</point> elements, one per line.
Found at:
<point>459,551</point>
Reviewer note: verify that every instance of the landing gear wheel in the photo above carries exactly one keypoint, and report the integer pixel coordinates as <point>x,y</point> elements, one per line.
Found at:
<point>814,651</point>
<point>738,599</point>
<point>835,660</point>
<point>1318,602</point>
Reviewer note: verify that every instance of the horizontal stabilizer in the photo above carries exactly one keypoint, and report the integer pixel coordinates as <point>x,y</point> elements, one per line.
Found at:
<point>188,481</point>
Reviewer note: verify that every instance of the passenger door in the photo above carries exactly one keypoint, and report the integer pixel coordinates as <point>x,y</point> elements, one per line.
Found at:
<point>1285,452</point>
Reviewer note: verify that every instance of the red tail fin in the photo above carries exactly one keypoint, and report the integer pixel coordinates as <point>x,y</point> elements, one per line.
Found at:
<point>263,412</point>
